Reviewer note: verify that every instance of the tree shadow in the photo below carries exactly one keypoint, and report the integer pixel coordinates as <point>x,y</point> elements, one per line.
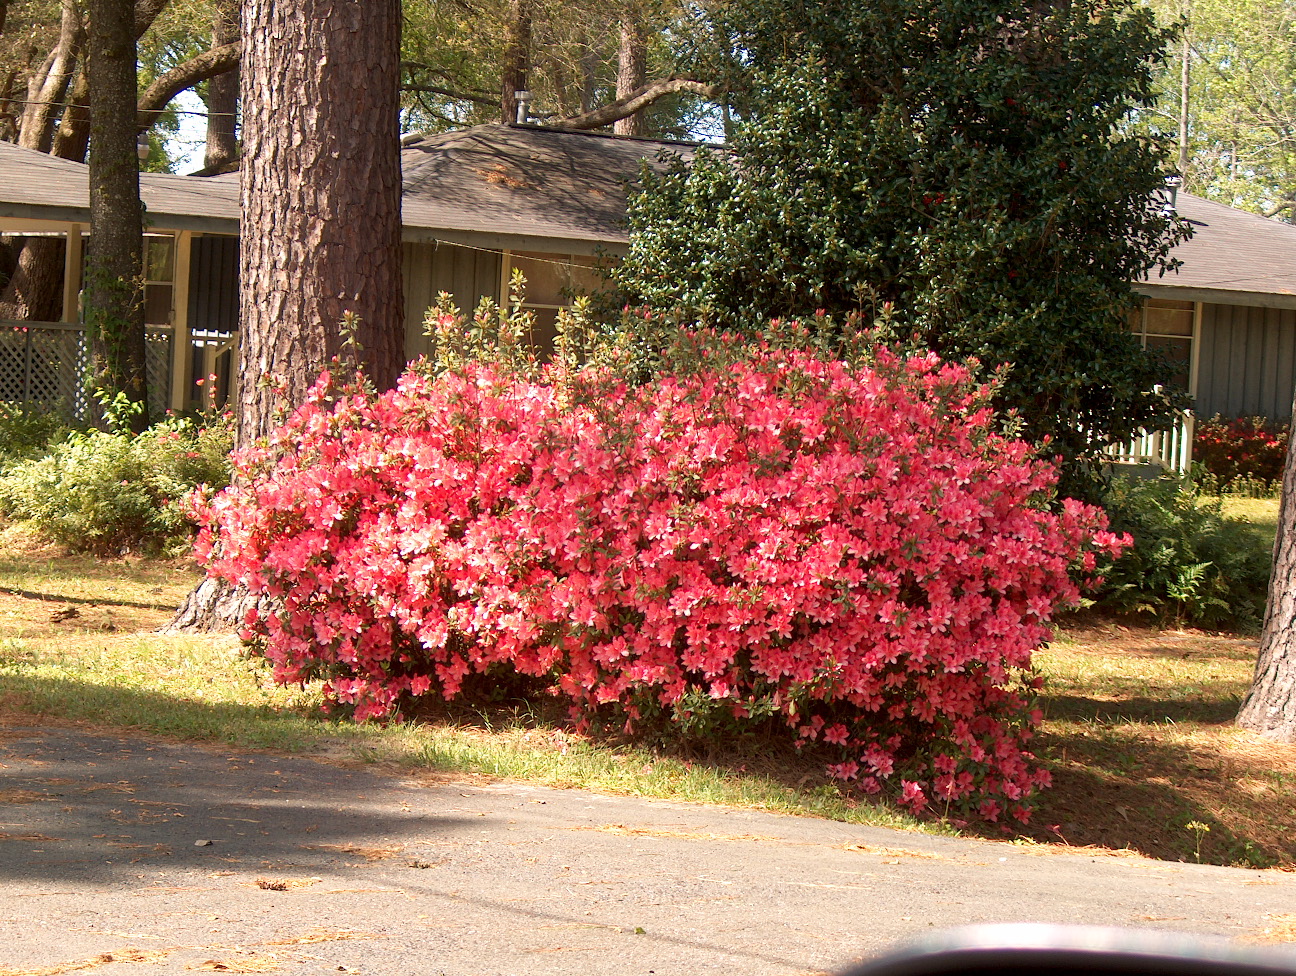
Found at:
<point>84,802</point>
<point>1215,710</point>
<point>95,601</point>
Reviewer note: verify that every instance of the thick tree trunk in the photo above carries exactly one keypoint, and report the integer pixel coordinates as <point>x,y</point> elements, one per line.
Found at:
<point>114,312</point>
<point>222,96</point>
<point>321,214</point>
<point>35,290</point>
<point>49,85</point>
<point>321,196</point>
<point>632,72</point>
<point>1270,705</point>
<point>517,58</point>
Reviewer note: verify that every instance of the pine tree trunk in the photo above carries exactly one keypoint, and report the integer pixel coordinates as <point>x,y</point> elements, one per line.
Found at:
<point>222,96</point>
<point>632,72</point>
<point>321,196</point>
<point>321,213</point>
<point>1270,705</point>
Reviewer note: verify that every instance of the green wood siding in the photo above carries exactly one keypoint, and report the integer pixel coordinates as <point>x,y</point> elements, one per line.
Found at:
<point>428,269</point>
<point>1248,361</point>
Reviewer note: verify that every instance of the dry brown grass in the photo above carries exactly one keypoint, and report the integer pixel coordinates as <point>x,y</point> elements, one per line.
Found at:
<point>1140,740</point>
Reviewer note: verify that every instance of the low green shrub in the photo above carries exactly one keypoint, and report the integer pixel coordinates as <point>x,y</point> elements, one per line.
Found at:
<point>109,492</point>
<point>1189,563</point>
<point>26,433</point>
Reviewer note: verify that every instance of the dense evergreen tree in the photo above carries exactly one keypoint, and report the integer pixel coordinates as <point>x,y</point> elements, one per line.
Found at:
<point>963,164</point>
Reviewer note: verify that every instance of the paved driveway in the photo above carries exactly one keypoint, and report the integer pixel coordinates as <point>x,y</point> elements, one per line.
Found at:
<point>133,855</point>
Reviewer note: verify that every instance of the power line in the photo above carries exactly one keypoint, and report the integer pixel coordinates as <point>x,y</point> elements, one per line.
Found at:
<point>175,111</point>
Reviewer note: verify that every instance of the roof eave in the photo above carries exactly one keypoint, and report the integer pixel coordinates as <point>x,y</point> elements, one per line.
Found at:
<point>1218,296</point>
<point>494,241</point>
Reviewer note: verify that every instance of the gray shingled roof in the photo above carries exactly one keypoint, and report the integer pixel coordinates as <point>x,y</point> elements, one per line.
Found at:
<point>37,186</point>
<point>524,180</point>
<point>532,188</point>
<point>1233,257</point>
<point>492,185</point>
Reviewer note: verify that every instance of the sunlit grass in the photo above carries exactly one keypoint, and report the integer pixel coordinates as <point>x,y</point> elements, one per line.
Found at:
<point>203,688</point>
<point>1138,730</point>
<point>1260,515</point>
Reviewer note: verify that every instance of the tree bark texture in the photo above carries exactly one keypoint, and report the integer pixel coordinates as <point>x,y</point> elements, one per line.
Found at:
<point>114,311</point>
<point>49,85</point>
<point>72,140</point>
<point>215,605</point>
<point>632,72</point>
<point>35,289</point>
<point>321,196</point>
<point>222,95</point>
<point>517,58</point>
<point>1270,706</point>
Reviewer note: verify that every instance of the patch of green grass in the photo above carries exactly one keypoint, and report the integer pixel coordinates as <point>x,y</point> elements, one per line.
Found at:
<point>203,688</point>
<point>1259,514</point>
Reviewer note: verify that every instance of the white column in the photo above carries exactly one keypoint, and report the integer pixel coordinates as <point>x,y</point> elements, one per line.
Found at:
<point>181,347</point>
<point>72,275</point>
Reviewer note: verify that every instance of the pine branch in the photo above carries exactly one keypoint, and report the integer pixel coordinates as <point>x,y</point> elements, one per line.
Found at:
<point>637,100</point>
<point>168,85</point>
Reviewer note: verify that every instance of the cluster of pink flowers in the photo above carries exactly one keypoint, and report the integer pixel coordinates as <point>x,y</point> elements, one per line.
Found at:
<point>853,549</point>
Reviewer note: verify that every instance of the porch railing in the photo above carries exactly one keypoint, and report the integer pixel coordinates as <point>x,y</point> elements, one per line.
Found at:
<point>1170,449</point>
<point>46,365</point>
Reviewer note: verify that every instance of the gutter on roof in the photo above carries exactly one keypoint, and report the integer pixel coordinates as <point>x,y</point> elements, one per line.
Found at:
<point>58,218</point>
<point>513,242</point>
<point>204,225</point>
<point>1218,296</point>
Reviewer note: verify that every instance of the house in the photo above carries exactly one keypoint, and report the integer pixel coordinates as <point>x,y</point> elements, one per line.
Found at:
<point>476,205</point>
<point>480,202</point>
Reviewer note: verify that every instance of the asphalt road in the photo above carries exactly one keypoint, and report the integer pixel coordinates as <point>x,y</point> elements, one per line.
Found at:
<point>133,855</point>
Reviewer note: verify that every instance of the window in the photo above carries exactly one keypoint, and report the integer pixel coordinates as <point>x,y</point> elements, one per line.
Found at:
<point>1167,326</point>
<point>552,281</point>
<point>159,279</point>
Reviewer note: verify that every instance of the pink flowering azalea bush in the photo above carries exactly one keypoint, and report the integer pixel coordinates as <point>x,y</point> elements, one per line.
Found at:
<point>851,549</point>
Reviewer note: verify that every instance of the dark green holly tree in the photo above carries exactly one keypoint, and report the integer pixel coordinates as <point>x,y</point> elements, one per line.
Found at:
<point>966,163</point>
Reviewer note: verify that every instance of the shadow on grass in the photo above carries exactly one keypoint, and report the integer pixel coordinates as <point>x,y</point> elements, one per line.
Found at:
<point>1161,799</point>
<point>168,605</point>
<point>1211,711</point>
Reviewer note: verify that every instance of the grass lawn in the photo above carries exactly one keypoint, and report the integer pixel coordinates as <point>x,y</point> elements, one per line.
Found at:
<point>1261,514</point>
<point>1137,734</point>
